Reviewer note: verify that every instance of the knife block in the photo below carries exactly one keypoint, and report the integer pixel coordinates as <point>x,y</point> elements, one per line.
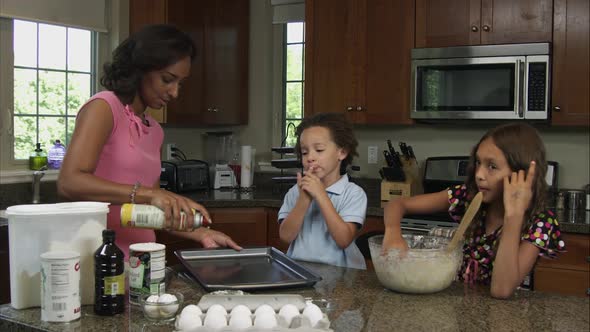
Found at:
<point>410,187</point>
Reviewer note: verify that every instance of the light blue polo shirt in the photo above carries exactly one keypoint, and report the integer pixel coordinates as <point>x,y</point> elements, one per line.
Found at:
<point>314,242</point>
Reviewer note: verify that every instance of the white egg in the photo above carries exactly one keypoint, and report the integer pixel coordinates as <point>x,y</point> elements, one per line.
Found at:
<point>265,320</point>
<point>217,308</point>
<point>265,308</point>
<point>313,312</point>
<point>240,320</point>
<point>168,309</point>
<point>191,310</point>
<point>152,299</point>
<point>288,311</point>
<point>215,320</point>
<point>188,322</point>
<point>241,309</point>
<point>150,307</point>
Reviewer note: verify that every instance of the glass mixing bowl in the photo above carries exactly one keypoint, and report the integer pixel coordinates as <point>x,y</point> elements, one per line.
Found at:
<point>425,268</point>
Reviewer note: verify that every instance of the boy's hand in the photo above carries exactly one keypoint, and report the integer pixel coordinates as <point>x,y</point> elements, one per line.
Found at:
<point>393,242</point>
<point>302,193</point>
<point>518,191</point>
<point>312,185</point>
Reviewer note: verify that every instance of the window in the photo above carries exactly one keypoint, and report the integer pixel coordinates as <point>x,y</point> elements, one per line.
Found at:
<point>294,79</point>
<point>53,76</point>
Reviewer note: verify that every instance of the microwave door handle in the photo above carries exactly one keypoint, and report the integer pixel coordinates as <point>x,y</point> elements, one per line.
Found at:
<point>520,83</point>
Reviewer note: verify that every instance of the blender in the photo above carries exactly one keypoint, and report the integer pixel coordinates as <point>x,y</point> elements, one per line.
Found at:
<point>220,150</point>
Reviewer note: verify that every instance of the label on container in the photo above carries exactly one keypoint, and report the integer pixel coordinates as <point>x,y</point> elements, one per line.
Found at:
<point>147,270</point>
<point>149,216</point>
<point>114,285</point>
<point>60,286</point>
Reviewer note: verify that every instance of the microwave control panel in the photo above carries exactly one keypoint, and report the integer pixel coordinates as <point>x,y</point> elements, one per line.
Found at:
<point>537,86</point>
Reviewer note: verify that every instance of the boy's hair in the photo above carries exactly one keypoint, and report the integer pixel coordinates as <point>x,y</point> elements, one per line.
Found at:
<point>521,144</point>
<point>154,47</point>
<point>341,133</point>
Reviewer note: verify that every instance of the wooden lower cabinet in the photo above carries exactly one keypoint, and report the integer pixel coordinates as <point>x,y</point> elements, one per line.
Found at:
<point>569,274</point>
<point>273,237</point>
<point>246,226</point>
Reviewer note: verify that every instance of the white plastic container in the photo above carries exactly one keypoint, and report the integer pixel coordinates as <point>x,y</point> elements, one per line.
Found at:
<point>38,228</point>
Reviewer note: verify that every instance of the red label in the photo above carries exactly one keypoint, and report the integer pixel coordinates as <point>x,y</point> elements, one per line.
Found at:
<point>77,267</point>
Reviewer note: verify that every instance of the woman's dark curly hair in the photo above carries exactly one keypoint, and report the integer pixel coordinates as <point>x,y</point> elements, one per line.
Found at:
<point>152,48</point>
<point>341,132</point>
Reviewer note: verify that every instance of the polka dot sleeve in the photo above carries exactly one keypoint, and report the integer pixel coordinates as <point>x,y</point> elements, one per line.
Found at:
<point>458,201</point>
<point>545,234</point>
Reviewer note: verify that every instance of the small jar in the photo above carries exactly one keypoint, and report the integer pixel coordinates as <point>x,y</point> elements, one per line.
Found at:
<point>560,200</point>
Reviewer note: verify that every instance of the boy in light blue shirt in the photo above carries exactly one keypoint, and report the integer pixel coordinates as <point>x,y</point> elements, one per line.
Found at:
<point>323,212</point>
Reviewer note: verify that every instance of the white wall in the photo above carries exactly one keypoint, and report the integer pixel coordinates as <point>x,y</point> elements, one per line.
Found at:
<point>570,147</point>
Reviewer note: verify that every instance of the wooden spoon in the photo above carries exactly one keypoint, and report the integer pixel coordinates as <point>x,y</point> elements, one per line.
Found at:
<point>465,222</point>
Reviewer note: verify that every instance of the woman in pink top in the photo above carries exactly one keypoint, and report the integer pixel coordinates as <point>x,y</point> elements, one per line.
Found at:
<point>114,153</point>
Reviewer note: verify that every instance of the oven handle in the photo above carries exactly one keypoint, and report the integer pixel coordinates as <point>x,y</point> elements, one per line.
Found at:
<point>520,82</point>
<point>415,229</point>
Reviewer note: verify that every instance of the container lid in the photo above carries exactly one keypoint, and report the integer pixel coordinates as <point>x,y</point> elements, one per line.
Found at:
<point>59,255</point>
<point>58,208</point>
<point>147,246</point>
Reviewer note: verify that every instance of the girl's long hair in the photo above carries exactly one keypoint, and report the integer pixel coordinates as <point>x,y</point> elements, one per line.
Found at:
<point>521,144</point>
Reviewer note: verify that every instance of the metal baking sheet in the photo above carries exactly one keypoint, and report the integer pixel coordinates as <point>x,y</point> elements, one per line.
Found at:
<point>248,269</point>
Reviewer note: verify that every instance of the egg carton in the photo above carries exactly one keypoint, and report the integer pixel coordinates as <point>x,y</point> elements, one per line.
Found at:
<point>300,323</point>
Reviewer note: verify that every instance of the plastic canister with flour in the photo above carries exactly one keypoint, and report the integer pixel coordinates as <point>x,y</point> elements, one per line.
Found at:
<point>60,286</point>
<point>147,270</point>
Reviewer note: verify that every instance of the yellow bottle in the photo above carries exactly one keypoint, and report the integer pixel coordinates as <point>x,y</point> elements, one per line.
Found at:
<point>149,216</point>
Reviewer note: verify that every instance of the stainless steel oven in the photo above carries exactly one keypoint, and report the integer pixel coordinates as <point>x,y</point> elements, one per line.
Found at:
<point>497,82</point>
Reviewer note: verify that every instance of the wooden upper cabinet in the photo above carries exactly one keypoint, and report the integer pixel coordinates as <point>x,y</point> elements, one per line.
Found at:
<point>357,59</point>
<point>441,23</point>
<point>216,92</point>
<point>571,72</point>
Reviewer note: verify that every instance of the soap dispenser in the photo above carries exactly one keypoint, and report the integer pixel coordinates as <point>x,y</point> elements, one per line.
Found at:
<point>38,158</point>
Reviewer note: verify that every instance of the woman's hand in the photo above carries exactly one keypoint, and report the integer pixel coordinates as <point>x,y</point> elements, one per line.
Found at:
<point>213,239</point>
<point>172,204</point>
<point>311,184</point>
<point>518,191</point>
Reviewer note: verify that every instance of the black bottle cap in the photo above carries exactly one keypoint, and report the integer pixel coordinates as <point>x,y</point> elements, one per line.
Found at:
<point>108,234</point>
<point>38,149</point>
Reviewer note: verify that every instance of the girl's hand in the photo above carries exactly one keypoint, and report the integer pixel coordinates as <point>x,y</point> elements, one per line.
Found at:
<point>172,204</point>
<point>312,185</point>
<point>393,242</point>
<point>518,191</point>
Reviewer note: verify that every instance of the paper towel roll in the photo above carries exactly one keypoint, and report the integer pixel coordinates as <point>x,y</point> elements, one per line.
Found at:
<point>246,174</point>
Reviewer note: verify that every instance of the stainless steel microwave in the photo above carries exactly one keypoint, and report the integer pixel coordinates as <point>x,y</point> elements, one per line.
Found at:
<point>495,82</point>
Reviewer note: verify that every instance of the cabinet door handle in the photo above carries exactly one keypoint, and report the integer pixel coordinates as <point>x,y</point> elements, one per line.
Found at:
<point>359,108</point>
<point>486,28</point>
<point>474,28</point>
<point>215,109</point>
<point>349,109</point>
<point>209,109</point>
<point>557,109</point>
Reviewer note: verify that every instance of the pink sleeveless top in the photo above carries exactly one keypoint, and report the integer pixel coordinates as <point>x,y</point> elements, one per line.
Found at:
<point>131,154</point>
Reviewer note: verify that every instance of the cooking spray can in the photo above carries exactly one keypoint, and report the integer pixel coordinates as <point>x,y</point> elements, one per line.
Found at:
<point>149,216</point>
<point>147,270</point>
<point>60,286</point>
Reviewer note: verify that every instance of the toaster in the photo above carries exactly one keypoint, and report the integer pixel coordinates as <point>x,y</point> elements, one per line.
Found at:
<point>185,175</point>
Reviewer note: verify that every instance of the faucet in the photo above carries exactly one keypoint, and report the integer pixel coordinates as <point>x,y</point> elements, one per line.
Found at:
<point>37,175</point>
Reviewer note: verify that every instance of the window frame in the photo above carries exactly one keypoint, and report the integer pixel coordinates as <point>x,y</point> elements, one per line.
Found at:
<point>7,112</point>
<point>285,81</point>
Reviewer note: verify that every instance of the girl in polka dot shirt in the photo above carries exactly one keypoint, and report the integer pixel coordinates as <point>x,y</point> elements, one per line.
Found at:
<point>514,225</point>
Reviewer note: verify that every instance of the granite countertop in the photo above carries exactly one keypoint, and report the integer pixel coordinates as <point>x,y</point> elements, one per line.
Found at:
<point>354,300</point>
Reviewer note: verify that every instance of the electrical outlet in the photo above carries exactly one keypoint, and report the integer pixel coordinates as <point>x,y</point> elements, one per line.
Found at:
<point>169,151</point>
<point>372,158</point>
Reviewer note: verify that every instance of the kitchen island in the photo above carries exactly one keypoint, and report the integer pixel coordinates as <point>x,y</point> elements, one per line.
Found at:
<point>354,300</point>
